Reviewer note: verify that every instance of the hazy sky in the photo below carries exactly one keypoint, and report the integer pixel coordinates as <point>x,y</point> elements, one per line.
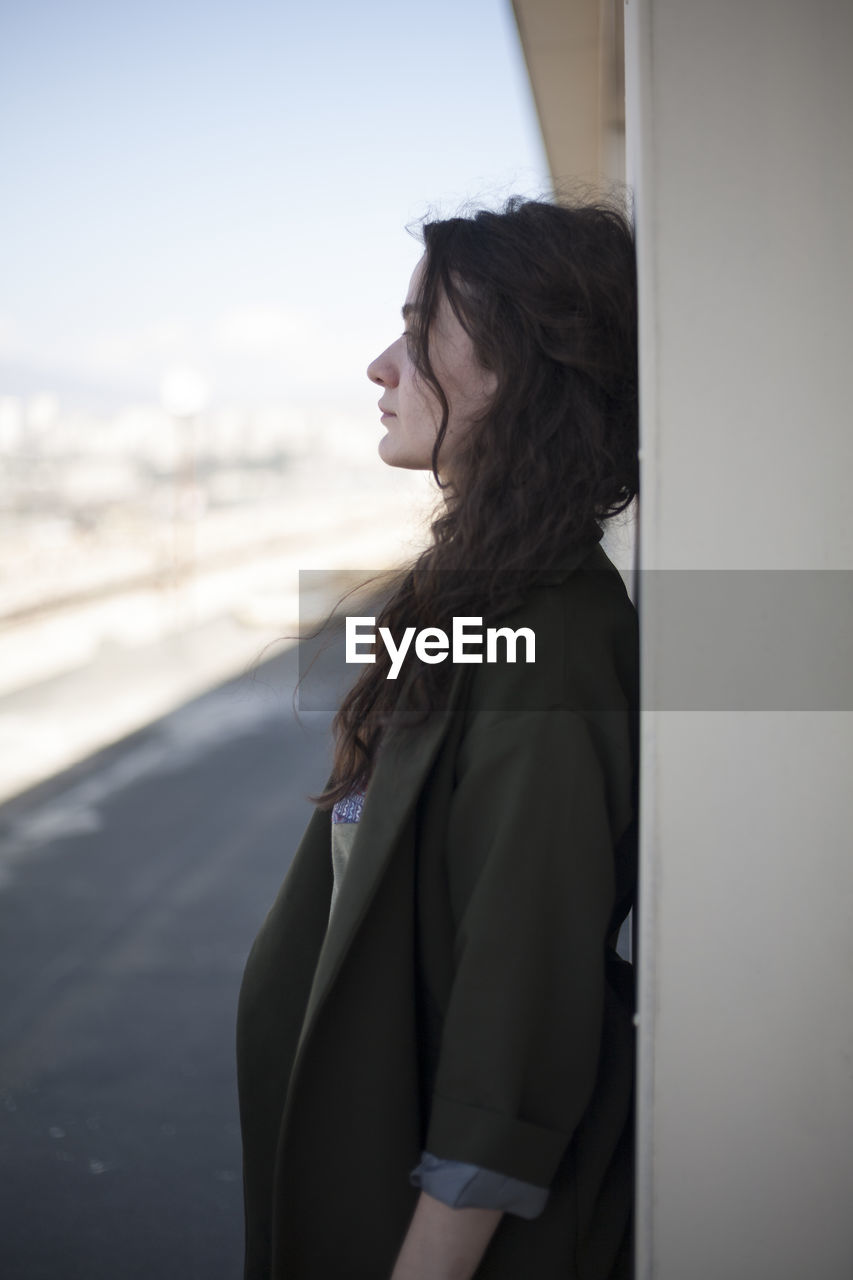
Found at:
<point>227,185</point>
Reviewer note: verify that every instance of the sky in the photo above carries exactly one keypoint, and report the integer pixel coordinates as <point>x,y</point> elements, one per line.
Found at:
<point>227,186</point>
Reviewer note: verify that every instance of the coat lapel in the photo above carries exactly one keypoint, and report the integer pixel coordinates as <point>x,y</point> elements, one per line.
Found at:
<point>398,778</point>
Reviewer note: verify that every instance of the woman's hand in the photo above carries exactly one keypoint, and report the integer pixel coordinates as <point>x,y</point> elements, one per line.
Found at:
<point>444,1243</point>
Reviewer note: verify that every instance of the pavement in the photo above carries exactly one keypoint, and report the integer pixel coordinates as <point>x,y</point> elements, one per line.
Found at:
<point>133,884</point>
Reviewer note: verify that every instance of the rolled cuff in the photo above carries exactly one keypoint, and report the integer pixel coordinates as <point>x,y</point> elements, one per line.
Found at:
<point>469,1186</point>
<point>516,1148</point>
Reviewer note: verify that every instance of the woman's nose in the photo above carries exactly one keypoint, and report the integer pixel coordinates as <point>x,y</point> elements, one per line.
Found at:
<point>383,370</point>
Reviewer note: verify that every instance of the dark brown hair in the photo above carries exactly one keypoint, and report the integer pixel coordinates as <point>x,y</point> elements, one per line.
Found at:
<point>547,294</point>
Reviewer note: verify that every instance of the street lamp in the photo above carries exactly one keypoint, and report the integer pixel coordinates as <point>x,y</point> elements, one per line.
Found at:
<point>184,394</point>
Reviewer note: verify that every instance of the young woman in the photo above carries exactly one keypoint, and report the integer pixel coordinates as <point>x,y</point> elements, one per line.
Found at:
<point>435,1037</point>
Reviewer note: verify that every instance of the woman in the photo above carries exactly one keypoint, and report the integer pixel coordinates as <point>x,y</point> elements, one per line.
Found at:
<point>435,1039</point>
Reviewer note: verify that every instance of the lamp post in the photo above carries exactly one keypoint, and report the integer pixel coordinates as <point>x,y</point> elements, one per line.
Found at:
<point>184,395</point>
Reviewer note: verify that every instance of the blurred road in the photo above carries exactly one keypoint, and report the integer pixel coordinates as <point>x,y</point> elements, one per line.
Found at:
<point>132,887</point>
<point>77,676</point>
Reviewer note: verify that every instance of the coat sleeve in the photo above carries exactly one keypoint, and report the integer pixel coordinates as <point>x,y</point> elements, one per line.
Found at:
<point>530,876</point>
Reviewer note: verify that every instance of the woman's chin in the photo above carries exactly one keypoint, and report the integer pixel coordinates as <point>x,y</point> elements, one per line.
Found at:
<point>393,455</point>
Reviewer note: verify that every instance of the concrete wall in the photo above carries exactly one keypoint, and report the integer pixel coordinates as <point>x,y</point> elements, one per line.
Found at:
<point>739,151</point>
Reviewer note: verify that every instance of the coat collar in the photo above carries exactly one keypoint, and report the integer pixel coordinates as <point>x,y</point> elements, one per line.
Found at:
<point>589,552</point>
<point>398,777</point>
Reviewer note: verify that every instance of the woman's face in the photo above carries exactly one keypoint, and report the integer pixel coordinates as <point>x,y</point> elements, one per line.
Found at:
<point>411,412</point>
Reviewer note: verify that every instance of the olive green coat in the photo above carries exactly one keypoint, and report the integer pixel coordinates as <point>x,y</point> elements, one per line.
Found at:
<point>467,998</point>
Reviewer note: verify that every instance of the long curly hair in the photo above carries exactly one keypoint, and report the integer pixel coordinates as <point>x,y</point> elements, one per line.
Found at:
<point>547,294</point>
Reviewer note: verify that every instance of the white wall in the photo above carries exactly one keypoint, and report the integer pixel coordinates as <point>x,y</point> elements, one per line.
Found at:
<point>739,127</point>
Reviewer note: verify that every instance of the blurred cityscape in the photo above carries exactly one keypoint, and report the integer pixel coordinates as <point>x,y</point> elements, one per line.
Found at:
<point>152,550</point>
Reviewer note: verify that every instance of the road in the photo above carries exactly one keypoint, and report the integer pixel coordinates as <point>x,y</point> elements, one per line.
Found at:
<point>132,886</point>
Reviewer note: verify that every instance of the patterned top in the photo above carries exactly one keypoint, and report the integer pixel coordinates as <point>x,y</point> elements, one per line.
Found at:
<point>349,809</point>
<point>454,1182</point>
<point>345,816</point>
